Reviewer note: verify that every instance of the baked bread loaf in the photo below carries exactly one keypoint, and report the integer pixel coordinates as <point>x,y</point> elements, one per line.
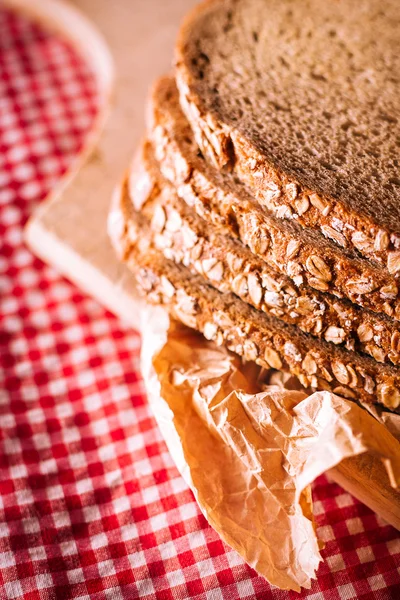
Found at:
<point>304,256</point>
<point>302,101</point>
<point>243,329</point>
<point>184,237</point>
<point>264,208</point>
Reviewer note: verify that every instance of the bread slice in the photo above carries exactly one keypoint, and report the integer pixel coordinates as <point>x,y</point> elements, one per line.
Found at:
<point>184,237</point>
<point>302,100</point>
<point>304,256</point>
<point>243,329</point>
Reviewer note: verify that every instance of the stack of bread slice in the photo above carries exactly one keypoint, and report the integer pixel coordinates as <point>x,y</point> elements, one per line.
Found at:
<point>263,208</point>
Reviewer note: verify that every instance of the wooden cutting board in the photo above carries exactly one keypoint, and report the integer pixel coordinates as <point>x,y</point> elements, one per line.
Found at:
<point>128,43</point>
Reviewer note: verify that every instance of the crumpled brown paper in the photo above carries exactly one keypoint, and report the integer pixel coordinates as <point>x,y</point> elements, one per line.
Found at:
<point>250,455</point>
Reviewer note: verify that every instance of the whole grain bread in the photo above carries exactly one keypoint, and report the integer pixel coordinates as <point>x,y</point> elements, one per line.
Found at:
<point>184,237</point>
<point>303,255</point>
<point>302,100</point>
<point>243,329</point>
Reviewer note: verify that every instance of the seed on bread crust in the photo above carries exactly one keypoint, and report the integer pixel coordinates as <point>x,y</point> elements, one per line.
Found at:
<point>213,268</point>
<point>334,235</point>
<point>259,243</point>
<point>255,289</point>
<point>167,287</point>
<point>189,237</point>
<point>393,263</point>
<point>318,326</point>
<point>210,331</point>
<point>395,342</point>
<point>369,384</point>
<point>353,377</point>
<point>273,191</point>
<point>302,205</point>
<point>326,374</point>
<point>318,267</point>
<point>389,292</point>
<point>340,372</point>
<point>197,251</point>
<point>378,354</point>
<point>389,396</point>
<point>318,284</point>
<point>381,241</point>
<point>273,299</point>
<point>240,285</point>
<point>174,221</point>
<point>319,203</point>
<point>216,273</point>
<point>387,309</point>
<point>292,190</point>
<point>344,391</point>
<point>250,350</point>
<point>365,332</point>
<point>159,219</point>
<point>292,248</point>
<point>291,352</point>
<point>309,365</point>
<point>272,358</point>
<point>336,335</point>
<point>362,242</point>
<point>305,306</point>
<point>362,285</point>
<point>293,268</point>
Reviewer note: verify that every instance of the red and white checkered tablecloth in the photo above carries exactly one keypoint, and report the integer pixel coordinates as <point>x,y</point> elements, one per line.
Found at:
<point>91,506</point>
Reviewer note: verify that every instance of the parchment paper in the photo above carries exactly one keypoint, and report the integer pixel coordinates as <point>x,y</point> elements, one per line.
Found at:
<point>249,454</point>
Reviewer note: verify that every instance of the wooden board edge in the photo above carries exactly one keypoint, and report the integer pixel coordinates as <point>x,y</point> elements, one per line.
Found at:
<point>365,478</point>
<point>119,298</point>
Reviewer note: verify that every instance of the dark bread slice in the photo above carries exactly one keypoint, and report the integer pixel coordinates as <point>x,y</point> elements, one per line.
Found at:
<point>184,237</point>
<point>219,198</point>
<point>302,100</point>
<point>250,333</point>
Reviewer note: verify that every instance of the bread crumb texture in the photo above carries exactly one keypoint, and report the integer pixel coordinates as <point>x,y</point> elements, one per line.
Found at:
<point>303,98</point>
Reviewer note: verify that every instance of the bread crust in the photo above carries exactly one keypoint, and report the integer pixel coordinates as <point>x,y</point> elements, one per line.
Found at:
<point>243,329</point>
<point>182,236</point>
<point>218,197</point>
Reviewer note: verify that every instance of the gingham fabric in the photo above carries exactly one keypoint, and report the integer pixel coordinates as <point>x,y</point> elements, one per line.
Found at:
<point>91,506</point>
